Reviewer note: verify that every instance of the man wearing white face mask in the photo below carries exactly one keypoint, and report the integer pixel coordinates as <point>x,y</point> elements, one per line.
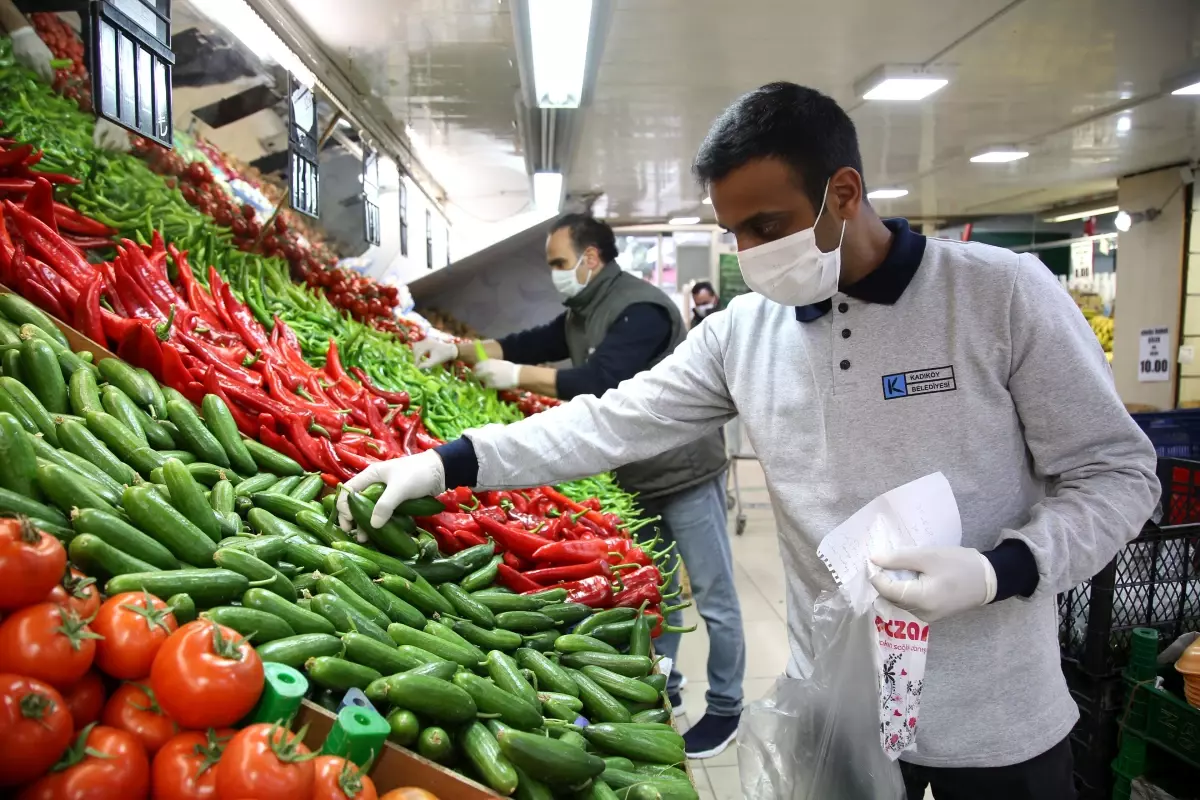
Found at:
<point>615,326</point>
<point>872,356</point>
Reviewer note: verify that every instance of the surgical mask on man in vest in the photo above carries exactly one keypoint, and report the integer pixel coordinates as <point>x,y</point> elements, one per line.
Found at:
<point>566,281</point>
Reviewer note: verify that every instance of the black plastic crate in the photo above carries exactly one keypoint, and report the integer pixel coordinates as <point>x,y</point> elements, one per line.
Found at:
<point>1152,583</point>
<point>1180,479</point>
<point>1094,738</point>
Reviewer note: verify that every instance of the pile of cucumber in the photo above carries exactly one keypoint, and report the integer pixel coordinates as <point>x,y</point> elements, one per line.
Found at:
<point>148,495</point>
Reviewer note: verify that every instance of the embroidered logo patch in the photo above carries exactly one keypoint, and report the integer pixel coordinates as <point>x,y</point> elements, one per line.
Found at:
<point>920,381</point>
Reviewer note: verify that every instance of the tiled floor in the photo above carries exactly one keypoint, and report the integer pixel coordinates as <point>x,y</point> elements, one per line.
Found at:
<point>759,576</point>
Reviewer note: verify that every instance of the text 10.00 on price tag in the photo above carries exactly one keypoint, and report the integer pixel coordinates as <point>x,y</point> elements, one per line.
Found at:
<point>1154,355</point>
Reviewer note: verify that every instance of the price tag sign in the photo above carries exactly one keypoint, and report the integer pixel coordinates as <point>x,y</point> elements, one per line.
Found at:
<point>370,182</point>
<point>132,63</point>
<point>1081,265</point>
<point>1154,355</point>
<point>304,176</point>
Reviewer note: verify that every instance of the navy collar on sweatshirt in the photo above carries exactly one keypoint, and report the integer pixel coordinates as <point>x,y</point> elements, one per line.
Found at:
<point>888,281</point>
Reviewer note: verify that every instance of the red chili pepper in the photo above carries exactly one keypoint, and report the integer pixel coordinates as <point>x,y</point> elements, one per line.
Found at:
<point>87,318</point>
<point>199,300</point>
<point>15,185</point>
<point>141,348</point>
<point>469,538</point>
<point>297,433</point>
<point>256,399</point>
<point>451,520</point>
<point>447,543</point>
<point>634,596</point>
<point>133,296</point>
<point>32,287</point>
<point>517,563</point>
<point>551,575</point>
<point>210,356</point>
<point>242,321</point>
<point>72,221</point>
<point>333,363</point>
<point>565,502</point>
<point>352,459</point>
<point>581,551</point>
<point>648,575</point>
<point>65,259</point>
<point>215,285</point>
<point>595,591</point>
<point>382,432</point>
<point>67,294</point>
<point>39,203</point>
<point>53,177</point>
<point>509,578</point>
<point>276,442</point>
<point>330,459</point>
<point>154,283</point>
<point>518,542</point>
<point>7,248</point>
<point>87,242</point>
<point>399,398</point>
<point>15,156</point>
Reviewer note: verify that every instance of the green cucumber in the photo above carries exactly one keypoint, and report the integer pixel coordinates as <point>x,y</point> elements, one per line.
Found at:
<point>405,727</point>
<point>629,784</point>
<point>579,643</point>
<point>386,658</point>
<point>417,592</point>
<point>284,485</point>
<point>18,462</point>
<point>208,473</point>
<point>473,558</point>
<point>334,585</point>
<point>269,460</point>
<point>123,536</point>
<point>67,490</point>
<point>403,634</point>
<point>158,403</point>
<point>386,563</point>
<point>294,651</point>
<point>653,715</point>
<point>503,669</point>
<point>99,559</point>
<point>657,680</point>
<point>419,506</point>
<point>605,617</point>
<point>259,627</point>
<point>14,503</point>
<point>597,702</point>
<point>573,703</point>
<point>267,524</point>
<point>254,483</point>
<point>338,673</point>
<point>268,548</point>
<point>431,697</point>
<point>391,537</point>
<point>346,618</point>
<point>524,621</point>
<point>395,609</point>
<point>320,527</point>
<point>470,608</point>
<point>65,458</point>
<point>20,311</point>
<point>259,572</point>
<point>620,686</point>
<point>135,385</point>
<point>31,407</point>
<point>301,620</point>
<point>183,607</point>
<point>441,570</point>
<point>447,634</point>
<point>9,404</point>
<point>630,666</point>
<point>207,587</point>
<point>153,514</point>
<point>434,743</point>
<point>101,490</point>
<point>123,442</point>
<point>42,374</point>
<point>542,642</point>
<point>309,488</point>
<point>483,751</point>
<point>118,404</point>
<point>566,613</point>
<point>76,438</point>
<point>194,436</point>
<point>220,499</point>
<point>157,434</point>
<point>188,499</point>
<point>281,505</point>
<point>641,745</point>
<point>500,602</point>
<point>483,577</point>
<point>552,761</point>
<point>83,393</point>
<point>495,639</point>
<point>223,428</point>
<point>549,675</point>
<point>63,534</point>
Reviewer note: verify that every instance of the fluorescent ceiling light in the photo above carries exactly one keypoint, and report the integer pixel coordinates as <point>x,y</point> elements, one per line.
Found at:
<point>547,191</point>
<point>683,220</point>
<point>999,156</point>
<point>886,194</point>
<point>558,35</point>
<point>243,22</point>
<point>1091,212</point>
<point>899,82</point>
<point>707,201</point>
<point>1191,88</point>
<point>1124,123</point>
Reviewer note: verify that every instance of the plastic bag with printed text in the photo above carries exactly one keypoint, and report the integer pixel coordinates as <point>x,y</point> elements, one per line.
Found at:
<point>834,733</point>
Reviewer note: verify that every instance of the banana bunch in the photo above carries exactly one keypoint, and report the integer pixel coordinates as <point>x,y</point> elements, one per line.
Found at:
<point>1102,326</point>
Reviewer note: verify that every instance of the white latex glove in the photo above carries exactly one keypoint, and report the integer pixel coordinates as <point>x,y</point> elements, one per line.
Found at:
<point>406,478</point>
<point>110,136</point>
<point>949,580</point>
<point>496,373</point>
<point>30,50</point>
<point>431,351</point>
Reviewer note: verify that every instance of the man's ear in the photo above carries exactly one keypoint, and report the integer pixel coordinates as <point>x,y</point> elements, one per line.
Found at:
<point>846,191</point>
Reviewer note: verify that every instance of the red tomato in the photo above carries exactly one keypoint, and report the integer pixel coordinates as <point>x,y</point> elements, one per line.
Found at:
<point>335,778</point>
<point>77,592</point>
<point>409,793</point>
<point>31,562</point>
<point>134,625</point>
<point>133,708</point>
<point>105,764</point>
<point>206,676</point>
<point>35,728</point>
<point>265,762</point>
<point>47,642</point>
<point>185,768</point>
<point>85,700</point>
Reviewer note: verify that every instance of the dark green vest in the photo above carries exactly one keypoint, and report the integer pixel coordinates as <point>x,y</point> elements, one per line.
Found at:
<point>589,316</point>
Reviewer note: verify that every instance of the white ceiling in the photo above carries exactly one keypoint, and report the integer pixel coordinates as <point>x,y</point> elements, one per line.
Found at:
<point>1048,75</point>
<point>1039,73</point>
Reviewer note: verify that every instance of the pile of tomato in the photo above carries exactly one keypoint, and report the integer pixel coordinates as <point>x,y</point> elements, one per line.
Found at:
<point>71,82</point>
<point>112,698</point>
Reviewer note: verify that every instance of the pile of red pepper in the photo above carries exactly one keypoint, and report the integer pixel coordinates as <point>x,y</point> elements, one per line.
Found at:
<point>528,402</point>
<point>73,81</point>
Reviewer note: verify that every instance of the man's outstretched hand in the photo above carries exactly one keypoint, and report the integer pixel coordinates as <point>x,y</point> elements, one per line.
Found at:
<point>406,478</point>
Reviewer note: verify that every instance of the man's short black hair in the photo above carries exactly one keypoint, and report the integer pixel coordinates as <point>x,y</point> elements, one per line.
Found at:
<point>587,231</point>
<point>800,126</point>
<point>702,286</point>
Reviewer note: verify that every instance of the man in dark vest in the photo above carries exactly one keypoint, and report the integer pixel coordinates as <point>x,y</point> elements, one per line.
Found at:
<point>615,326</point>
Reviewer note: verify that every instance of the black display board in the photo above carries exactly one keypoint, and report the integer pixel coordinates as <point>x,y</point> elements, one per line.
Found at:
<point>370,183</point>
<point>131,65</point>
<point>303,142</point>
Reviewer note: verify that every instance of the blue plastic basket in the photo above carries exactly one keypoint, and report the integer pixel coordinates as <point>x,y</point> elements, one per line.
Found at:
<point>1174,434</point>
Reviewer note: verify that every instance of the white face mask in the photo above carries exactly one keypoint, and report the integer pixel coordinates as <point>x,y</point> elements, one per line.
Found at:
<point>705,309</point>
<point>566,281</point>
<point>792,271</point>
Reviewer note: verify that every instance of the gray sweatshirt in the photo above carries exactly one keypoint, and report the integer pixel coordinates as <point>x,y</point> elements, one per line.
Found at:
<point>982,369</point>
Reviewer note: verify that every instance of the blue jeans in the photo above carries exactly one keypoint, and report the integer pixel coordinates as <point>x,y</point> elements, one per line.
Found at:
<point>696,520</point>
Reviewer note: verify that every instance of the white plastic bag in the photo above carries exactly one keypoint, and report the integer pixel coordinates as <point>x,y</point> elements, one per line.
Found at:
<point>816,737</point>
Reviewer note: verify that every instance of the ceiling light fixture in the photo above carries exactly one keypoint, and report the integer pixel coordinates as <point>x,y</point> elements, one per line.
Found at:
<point>547,191</point>
<point>1091,212</point>
<point>558,35</point>
<point>1124,123</point>
<point>900,82</point>
<point>1124,220</point>
<point>683,220</point>
<point>1190,89</point>
<point>886,194</point>
<point>707,201</point>
<point>237,17</point>
<point>999,155</point>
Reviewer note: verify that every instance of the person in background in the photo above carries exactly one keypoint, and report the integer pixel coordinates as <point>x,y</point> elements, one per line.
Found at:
<point>616,326</point>
<point>704,301</point>
<point>30,51</point>
<point>867,357</point>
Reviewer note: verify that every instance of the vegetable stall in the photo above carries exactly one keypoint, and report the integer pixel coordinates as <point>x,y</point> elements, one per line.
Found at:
<point>177,418</point>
